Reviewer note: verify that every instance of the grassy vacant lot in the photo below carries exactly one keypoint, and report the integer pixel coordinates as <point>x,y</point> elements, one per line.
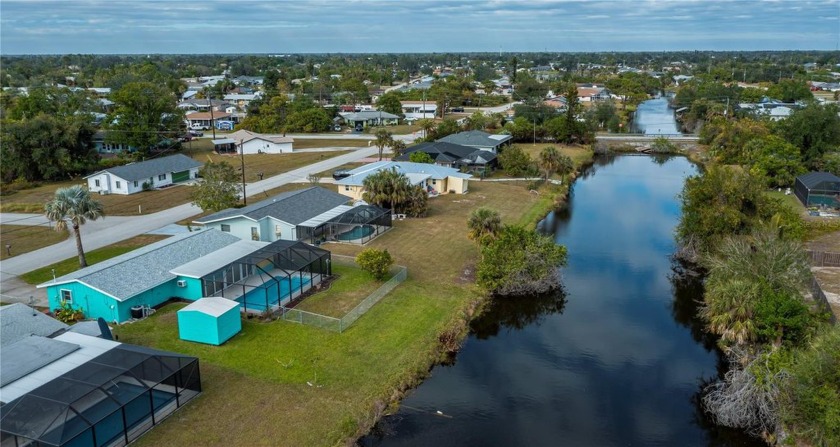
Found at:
<point>255,390</point>
<point>269,164</point>
<point>402,129</point>
<point>317,143</point>
<point>578,154</point>
<point>24,239</point>
<point>346,292</point>
<point>66,266</point>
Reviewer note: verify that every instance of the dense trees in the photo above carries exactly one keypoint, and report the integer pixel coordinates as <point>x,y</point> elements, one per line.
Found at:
<point>815,130</point>
<point>516,162</point>
<point>519,262</point>
<point>143,115</point>
<point>219,188</point>
<point>390,102</point>
<point>71,208</point>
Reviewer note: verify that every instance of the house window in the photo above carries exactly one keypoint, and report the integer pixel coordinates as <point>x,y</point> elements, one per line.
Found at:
<point>96,182</point>
<point>347,187</point>
<point>135,183</point>
<point>278,230</point>
<point>255,234</point>
<point>119,184</point>
<point>226,228</point>
<point>162,177</point>
<point>66,296</point>
<point>434,182</point>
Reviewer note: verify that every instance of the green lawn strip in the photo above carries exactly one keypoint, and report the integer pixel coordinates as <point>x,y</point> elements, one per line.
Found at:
<point>69,265</point>
<point>346,292</point>
<point>386,349</point>
<point>23,238</point>
<point>317,143</point>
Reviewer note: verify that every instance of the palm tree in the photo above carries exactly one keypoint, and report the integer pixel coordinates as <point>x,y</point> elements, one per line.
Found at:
<point>483,223</point>
<point>549,160</point>
<point>397,147</point>
<point>383,138</point>
<point>428,126</point>
<point>73,206</point>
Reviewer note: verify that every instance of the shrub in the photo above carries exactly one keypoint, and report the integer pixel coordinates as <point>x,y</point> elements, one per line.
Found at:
<point>374,261</point>
<point>67,314</point>
<point>520,262</point>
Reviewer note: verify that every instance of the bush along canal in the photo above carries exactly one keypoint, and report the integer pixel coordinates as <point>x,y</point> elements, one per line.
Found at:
<point>617,358</point>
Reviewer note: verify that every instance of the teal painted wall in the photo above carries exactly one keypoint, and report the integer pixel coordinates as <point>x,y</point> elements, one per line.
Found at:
<point>192,291</point>
<point>202,328</point>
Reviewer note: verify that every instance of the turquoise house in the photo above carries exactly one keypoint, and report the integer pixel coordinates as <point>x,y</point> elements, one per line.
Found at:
<point>191,266</point>
<point>209,320</point>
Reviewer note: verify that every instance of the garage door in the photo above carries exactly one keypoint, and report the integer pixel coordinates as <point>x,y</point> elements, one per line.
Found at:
<point>180,176</point>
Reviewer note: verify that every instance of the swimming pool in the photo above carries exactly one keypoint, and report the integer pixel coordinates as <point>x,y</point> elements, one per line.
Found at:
<point>358,232</point>
<point>255,299</point>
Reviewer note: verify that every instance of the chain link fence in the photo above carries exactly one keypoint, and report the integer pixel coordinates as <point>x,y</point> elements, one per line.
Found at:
<point>341,324</point>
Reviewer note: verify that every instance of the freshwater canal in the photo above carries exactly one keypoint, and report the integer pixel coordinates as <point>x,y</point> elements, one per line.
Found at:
<point>616,359</point>
<point>654,117</point>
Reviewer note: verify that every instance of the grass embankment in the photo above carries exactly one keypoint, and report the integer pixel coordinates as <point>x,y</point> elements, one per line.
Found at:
<point>262,372</point>
<point>66,266</point>
<point>24,239</point>
<point>350,287</point>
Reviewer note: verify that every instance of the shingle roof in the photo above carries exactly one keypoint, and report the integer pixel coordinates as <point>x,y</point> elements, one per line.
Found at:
<point>443,152</point>
<point>144,170</point>
<point>415,170</point>
<point>136,271</point>
<point>18,321</point>
<point>292,207</point>
<point>366,115</point>
<point>476,138</point>
<point>813,179</point>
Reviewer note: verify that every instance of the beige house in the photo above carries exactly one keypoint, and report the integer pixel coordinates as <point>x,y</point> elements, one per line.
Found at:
<point>434,179</point>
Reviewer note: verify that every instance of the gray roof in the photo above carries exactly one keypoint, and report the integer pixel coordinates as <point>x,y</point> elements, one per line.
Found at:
<point>18,321</point>
<point>367,115</point>
<point>150,168</point>
<point>31,354</point>
<point>139,270</point>
<point>443,152</point>
<point>292,207</point>
<point>476,138</point>
<point>813,179</point>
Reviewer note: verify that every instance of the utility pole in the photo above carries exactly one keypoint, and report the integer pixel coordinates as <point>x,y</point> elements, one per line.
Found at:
<point>212,124</point>
<point>242,168</point>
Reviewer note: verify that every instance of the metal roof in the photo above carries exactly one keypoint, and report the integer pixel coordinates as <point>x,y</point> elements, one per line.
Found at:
<point>144,170</point>
<point>19,321</point>
<point>292,207</point>
<point>223,141</point>
<point>218,259</point>
<point>213,306</point>
<point>30,354</point>
<point>136,271</point>
<point>326,216</point>
<point>813,179</point>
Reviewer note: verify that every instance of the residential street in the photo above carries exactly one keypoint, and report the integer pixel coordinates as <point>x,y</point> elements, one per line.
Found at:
<point>113,229</point>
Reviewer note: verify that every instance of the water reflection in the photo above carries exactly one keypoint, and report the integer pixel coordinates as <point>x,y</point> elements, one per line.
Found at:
<point>654,117</point>
<point>617,359</point>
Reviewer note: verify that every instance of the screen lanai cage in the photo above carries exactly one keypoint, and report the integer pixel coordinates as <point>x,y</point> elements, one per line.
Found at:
<point>271,276</point>
<point>356,225</point>
<point>109,401</point>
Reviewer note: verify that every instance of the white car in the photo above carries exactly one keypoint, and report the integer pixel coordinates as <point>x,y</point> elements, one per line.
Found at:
<point>197,126</point>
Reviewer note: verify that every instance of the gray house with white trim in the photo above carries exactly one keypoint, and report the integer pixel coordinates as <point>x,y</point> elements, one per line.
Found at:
<point>479,140</point>
<point>279,217</point>
<point>157,173</point>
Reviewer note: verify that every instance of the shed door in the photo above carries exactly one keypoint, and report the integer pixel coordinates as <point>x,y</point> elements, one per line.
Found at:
<point>180,176</point>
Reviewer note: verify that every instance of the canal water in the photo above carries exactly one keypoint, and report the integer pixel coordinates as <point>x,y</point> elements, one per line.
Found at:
<point>615,359</point>
<point>654,117</point>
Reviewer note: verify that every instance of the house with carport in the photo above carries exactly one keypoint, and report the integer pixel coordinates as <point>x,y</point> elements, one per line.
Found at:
<point>433,179</point>
<point>203,263</point>
<point>143,175</point>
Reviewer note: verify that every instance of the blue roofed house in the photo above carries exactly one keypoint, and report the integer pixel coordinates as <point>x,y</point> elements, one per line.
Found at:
<point>433,178</point>
<point>155,173</point>
<point>191,266</point>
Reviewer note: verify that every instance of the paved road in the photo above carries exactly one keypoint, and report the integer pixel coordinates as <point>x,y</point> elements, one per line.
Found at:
<point>109,230</point>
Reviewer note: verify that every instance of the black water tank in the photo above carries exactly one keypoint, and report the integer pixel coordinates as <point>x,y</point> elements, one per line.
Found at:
<point>137,312</point>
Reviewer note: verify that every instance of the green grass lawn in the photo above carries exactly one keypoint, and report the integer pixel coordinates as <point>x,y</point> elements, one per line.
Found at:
<point>24,239</point>
<point>351,286</point>
<point>317,143</point>
<point>66,266</point>
<point>255,385</point>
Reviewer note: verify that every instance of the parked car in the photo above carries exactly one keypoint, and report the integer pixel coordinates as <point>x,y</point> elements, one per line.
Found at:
<point>337,128</point>
<point>183,138</point>
<point>339,174</point>
<point>196,133</point>
<point>199,126</point>
<point>359,128</point>
<point>457,109</point>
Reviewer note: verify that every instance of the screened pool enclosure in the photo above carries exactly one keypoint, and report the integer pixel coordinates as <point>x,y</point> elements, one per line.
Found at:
<point>356,225</point>
<point>269,277</point>
<point>109,401</point>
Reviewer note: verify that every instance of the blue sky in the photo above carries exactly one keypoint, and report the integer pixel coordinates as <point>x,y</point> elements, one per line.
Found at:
<point>369,26</point>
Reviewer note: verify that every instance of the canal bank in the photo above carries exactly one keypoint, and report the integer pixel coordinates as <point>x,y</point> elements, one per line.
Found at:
<point>617,358</point>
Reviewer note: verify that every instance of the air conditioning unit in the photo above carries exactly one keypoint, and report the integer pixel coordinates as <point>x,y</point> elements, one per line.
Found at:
<point>181,283</point>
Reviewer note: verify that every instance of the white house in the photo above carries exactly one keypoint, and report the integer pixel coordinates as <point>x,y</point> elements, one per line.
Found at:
<point>155,173</point>
<point>415,110</point>
<point>279,217</point>
<point>255,143</point>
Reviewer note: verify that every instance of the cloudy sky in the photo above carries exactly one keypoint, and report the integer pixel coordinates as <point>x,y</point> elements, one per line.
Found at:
<point>304,26</point>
